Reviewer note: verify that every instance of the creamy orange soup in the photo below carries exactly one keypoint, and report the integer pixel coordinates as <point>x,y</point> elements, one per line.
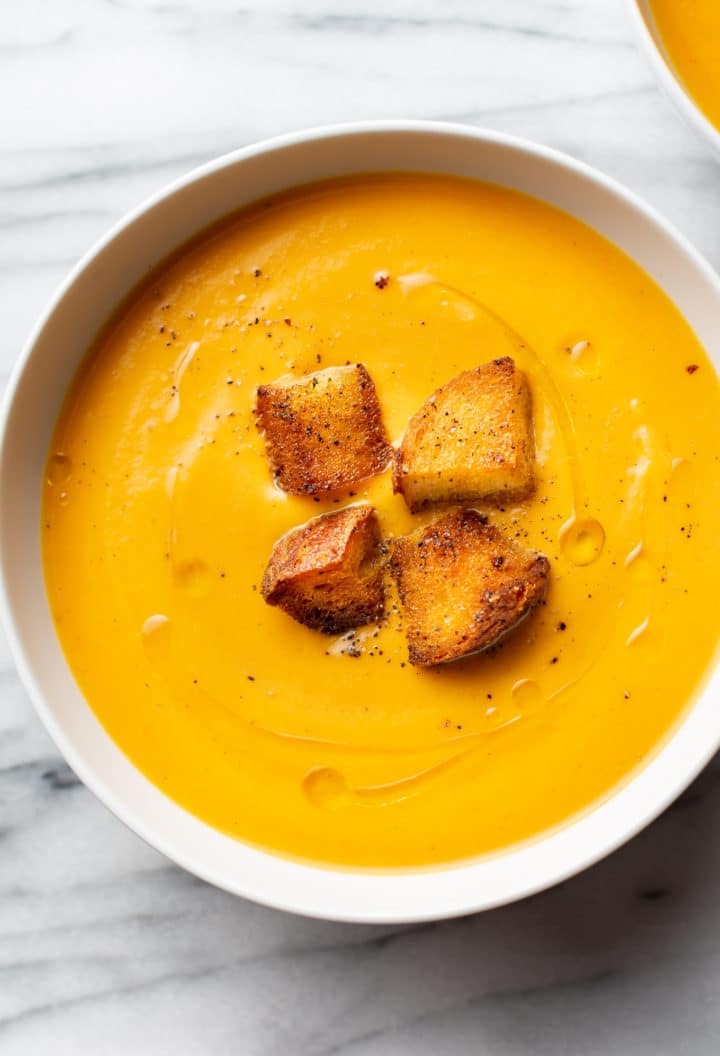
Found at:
<point>160,514</point>
<point>690,31</point>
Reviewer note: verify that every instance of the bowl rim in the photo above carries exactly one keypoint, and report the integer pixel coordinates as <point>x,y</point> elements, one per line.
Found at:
<point>665,73</point>
<point>376,896</point>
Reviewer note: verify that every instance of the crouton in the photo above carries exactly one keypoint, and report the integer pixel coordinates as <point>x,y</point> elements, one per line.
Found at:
<point>463,586</point>
<point>327,573</point>
<point>323,431</point>
<point>472,440</point>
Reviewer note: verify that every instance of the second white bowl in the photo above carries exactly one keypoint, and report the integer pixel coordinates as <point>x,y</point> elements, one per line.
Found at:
<point>651,43</point>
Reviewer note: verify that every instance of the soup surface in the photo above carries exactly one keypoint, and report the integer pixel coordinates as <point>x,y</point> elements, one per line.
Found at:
<point>160,514</point>
<point>690,30</point>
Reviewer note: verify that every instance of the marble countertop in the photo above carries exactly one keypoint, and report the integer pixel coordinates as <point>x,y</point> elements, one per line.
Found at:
<point>105,947</point>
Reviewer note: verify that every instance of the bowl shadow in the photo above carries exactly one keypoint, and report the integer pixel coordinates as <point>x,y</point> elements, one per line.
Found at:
<point>633,934</point>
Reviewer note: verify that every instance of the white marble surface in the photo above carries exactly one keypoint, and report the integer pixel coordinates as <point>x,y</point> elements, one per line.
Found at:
<point>106,948</point>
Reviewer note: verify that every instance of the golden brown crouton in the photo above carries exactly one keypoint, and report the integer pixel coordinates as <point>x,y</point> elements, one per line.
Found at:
<point>471,440</point>
<point>463,585</point>
<point>327,573</point>
<point>323,431</point>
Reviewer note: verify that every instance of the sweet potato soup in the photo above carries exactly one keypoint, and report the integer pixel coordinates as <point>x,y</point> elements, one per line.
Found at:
<point>690,31</point>
<point>161,512</point>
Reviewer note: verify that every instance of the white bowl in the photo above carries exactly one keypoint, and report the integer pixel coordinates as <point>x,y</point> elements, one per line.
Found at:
<point>31,407</point>
<point>672,84</point>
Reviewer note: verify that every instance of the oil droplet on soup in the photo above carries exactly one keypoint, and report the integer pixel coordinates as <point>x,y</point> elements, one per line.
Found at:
<point>325,787</point>
<point>582,540</point>
<point>526,694</point>
<point>157,637</point>
<point>584,357</point>
<point>59,469</point>
<point>639,564</point>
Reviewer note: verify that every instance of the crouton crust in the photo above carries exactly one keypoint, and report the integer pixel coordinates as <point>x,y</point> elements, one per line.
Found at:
<point>323,431</point>
<point>327,573</point>
<point>472,440</point>
<point>463,585</point>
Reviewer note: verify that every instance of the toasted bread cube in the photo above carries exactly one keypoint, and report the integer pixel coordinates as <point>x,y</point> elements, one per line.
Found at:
<point>323,431</point>
<point>327,573</point>
<point>463,586</point>
<point>472,440</point>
